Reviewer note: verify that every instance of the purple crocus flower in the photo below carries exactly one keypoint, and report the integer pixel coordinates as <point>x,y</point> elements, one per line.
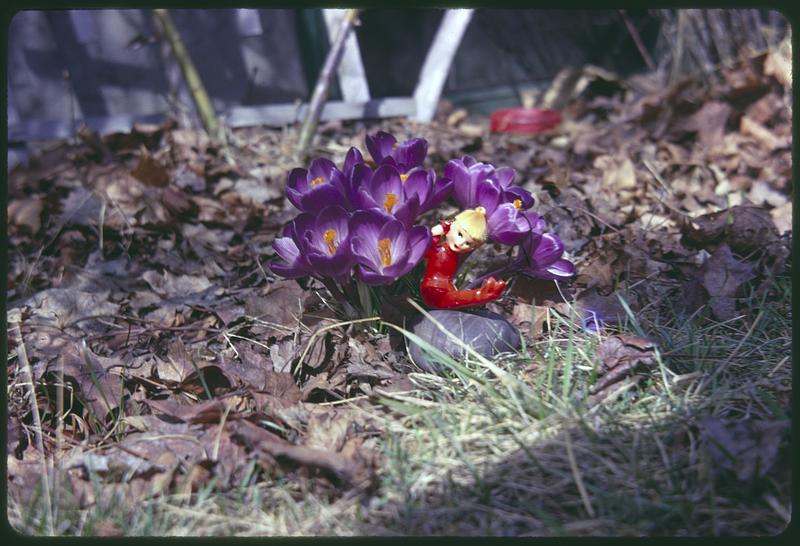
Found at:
<point>384,149</point>
<point>312,189</point>
<point>387,192</point>
<point>384,248</point>
<point>326,243</point>
<point>315,245</point>
<point>289,247</point>
<point>540,256</point>
<point>479,184</point>
<point>430,189</point>
<point>469,176</point>
<point>355,174</point>
<point>352,159</point>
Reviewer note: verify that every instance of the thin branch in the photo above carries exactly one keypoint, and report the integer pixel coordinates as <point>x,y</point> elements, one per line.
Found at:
<point>637,39</point>
<point>37,427</point>
<point>323,82</point>
<point>204,107</point>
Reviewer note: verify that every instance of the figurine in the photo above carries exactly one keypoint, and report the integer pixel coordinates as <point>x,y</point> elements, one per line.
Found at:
<point>451,240</point>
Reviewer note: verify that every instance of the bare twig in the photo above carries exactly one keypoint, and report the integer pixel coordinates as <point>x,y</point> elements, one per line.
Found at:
<point>323,82</point>
<point>204,107</point>
<point>37,427</point>
<point>637,39</point>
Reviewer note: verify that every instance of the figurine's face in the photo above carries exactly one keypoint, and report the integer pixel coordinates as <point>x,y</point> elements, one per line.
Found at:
<point>459,240</point>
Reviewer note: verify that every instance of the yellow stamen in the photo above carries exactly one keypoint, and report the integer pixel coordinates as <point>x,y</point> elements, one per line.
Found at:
<point>403,177</point>
<point>518,203</point>
<point>318,180</point>
<point>330,238</point>
<point>385,252</point>
<point>390,201</point>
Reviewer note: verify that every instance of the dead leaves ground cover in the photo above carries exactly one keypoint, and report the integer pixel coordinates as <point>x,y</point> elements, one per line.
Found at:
<point>168,360</point>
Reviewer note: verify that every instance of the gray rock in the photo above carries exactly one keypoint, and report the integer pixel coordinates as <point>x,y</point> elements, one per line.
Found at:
<point>486,332</point>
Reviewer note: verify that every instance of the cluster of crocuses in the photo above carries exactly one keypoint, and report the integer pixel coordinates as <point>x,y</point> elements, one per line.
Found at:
<point>363,220</point>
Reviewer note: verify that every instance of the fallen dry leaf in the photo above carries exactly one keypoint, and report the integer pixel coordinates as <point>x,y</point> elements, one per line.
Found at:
<point>782,217</point>
<point>619,356</point>
<point>722,276</point>
<point>748,447</point>
<point>779,63</point>
<point>279,310</point>
<point>709,123</point>
<point>766,137</point>
<point>64,307</point>
<point>26,212</point>
<point>150,171</point>
<point>618,172</point>
<point>98,380</point>
<point>745,228</point>
<point>273,450</point>
<point>761,193</point>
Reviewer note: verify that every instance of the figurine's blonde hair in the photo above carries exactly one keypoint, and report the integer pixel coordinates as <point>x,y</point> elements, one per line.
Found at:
<point>473,221</point>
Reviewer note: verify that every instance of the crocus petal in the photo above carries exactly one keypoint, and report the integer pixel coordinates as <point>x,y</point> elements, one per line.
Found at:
<point>365,230</point>
<point>419,239</point>
<point>365,201</point>
<point>550,249</point>
<point>463,185</point>
<point>562,268</point>
<point>294,197</point>
<point>441,190</point>
<point>331,266</point>
<point>286,248</point>
<point>395,231</point>
<point>299,226</point>
<point>418,184</point>
<point>358,180</point>
<point>294,264</point>
<point>319,197</point>
<point>352,159</point>
<point>468,161</point>
<point>380,145</point>
<point>408,211</point>
<point>333,217</point>
<point>367,224</point>
<point>411,153</point>
<point>365,252</point>
<point>535,222</point>
<point>298,180</point>
<point>321,167</point>
<point>385,180</point>
<point>288,271</point>
<point>371,277</point>
<point>505,176</point>
<point>487,196</point>
<point>296,185</point>
<point>400,265</point>
<point>514,193</point>
<point>506,225</point>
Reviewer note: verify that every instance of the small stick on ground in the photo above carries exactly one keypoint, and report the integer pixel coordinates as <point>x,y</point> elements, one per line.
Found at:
<point>37,426</point>
<point>323,82</point>
<point>637,39</point>
<point>204,107</point>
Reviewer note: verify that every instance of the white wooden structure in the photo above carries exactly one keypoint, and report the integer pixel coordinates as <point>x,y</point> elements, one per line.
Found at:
<point>357,102</point>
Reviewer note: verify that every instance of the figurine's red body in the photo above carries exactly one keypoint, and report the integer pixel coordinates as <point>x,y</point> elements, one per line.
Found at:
<point>437,288</point>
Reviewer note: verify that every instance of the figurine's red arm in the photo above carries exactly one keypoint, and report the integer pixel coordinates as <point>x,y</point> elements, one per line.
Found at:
<point>450,297</point>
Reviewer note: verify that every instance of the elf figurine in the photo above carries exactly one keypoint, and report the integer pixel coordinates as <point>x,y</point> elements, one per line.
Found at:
<point>451,240</point>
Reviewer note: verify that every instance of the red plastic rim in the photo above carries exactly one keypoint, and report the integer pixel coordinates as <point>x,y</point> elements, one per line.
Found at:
<point>524,121</point>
